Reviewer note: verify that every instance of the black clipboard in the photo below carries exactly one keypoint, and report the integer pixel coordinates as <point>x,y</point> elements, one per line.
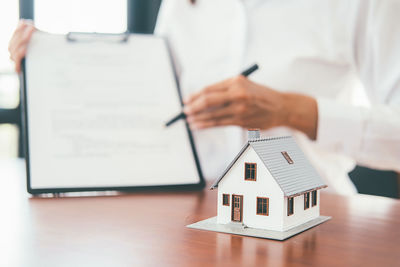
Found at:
<point>74,37</point>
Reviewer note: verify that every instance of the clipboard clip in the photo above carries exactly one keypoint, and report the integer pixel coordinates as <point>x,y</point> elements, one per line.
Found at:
<point>97,37</point>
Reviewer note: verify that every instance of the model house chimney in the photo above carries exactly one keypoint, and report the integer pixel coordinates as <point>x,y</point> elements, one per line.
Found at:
<point>253,134</point>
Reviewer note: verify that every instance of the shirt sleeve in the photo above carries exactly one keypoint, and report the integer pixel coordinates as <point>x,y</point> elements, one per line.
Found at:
<point>370,135</point>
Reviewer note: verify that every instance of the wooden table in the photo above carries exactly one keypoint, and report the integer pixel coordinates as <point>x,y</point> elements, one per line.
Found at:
<point>148,229</point>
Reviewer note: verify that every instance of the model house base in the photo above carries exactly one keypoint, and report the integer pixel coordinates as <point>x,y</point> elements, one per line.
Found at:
<point>269,190</point>
<point>240,229</point>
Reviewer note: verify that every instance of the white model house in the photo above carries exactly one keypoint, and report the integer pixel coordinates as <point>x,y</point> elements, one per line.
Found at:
<point>269,185</point>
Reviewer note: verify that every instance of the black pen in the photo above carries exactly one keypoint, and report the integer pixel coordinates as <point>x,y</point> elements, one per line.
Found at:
<point>182,115</point>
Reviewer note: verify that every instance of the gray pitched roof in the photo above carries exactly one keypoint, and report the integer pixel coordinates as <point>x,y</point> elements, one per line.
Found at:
<point>293,179</point>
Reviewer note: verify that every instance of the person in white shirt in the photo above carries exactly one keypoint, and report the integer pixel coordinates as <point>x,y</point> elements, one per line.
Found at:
<point>312,55</point>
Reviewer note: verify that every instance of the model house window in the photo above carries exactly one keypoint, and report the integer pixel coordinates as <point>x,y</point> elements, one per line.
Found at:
<point>290,207</point>
<point>287,157</point>
<point>225,199</point>
<point>262,206</point>
<point>306,200</point>
<point>314,198</point>
<point>250,171</point>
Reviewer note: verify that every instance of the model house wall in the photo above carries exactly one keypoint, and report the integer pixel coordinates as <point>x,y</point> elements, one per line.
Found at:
<point>265,185</point>
<point>300,215</point>
<point>266,175</point>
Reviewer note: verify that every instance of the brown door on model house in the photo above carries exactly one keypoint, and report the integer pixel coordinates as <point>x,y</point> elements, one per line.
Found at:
<point>237,208</point>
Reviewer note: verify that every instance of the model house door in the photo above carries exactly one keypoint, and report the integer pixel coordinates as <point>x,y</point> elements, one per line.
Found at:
<point>237,208</point>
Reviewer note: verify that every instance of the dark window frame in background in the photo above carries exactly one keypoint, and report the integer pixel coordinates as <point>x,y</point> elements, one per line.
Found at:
<point>142,15</point>
<point>13,115</point>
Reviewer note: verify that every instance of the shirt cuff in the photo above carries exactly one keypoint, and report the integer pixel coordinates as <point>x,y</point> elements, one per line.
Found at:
<point>340,126</point>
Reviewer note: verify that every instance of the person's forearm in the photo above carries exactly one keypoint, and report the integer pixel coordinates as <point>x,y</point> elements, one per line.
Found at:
<point>369,135</point>
<point>301,113</point>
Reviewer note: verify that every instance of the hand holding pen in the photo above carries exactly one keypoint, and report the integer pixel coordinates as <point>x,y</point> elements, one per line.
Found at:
<point>182,115</point>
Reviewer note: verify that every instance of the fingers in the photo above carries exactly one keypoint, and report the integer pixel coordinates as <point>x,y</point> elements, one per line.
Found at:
<point>237,113</point>
<point>19,43</point>
<point>28,34</point>
<point>214,114</point>
<point>225,103</point>
<point>18,56</point>
<point>220,86</point>
<point>224,121</point>
<point>16,37</point>
<point>207,101</point>
<point>19,38</point>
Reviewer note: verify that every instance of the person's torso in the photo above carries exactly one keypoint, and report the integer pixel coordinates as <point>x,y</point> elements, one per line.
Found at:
<point>300,46</point>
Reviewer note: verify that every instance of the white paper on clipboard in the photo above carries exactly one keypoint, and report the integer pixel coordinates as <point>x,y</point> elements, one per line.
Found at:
<point>95,113</point>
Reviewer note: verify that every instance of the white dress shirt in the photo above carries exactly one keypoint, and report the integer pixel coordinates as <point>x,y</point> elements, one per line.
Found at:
<point>325,49</point>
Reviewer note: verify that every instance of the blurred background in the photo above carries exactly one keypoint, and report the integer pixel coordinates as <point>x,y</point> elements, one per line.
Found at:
<point>112,16</point>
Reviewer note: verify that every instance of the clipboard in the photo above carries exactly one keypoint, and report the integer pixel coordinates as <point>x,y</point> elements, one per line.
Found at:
<point>37,115</point>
